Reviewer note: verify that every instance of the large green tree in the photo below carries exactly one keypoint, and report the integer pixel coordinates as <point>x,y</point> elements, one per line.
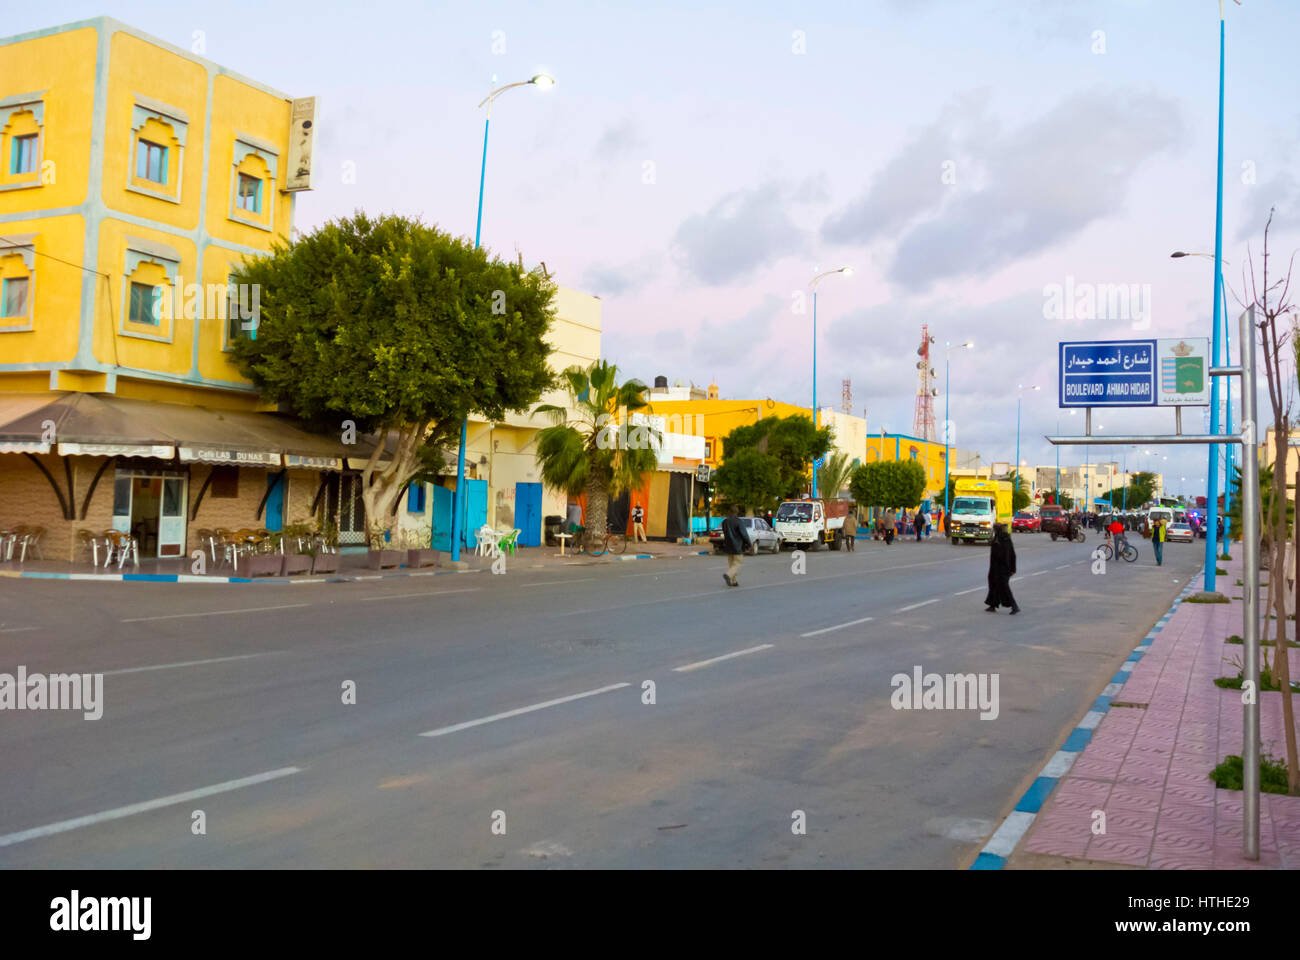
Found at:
<point>1140,490</point>
<point>591,446</point>
<point>400,329</point>
<point>891,483</point>
<point>789,444</point>
<point>750,478</point>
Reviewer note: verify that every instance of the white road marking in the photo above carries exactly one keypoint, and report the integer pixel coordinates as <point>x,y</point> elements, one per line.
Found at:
<point>1038,573</point>
<point>441,731</point>
<point>427,593</point>
<point>1063,566</point>
<point>17,629</point>
<point>547,583</point>
<point>841,626</point>
<point>63,826</point>
<point>212,613</point>
<point>189,663</point>
<point>963,592</point>
<point>923,603</point>
<point>726,656</point>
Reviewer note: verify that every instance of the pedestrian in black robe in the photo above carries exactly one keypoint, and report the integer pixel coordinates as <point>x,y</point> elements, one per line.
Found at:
<point>1002,567</point>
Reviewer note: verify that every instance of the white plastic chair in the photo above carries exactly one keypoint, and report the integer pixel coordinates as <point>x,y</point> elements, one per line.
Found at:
<point>487,541</point>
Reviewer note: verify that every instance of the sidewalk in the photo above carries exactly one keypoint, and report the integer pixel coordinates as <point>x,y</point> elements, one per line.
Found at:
<point>351,565</point>
<point>1147,763</point>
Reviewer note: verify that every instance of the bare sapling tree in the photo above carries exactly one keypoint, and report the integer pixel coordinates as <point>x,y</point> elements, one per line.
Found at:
<point>1275,321</point>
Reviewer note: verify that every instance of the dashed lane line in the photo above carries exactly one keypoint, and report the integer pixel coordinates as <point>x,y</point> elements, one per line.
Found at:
<point>455,727</point>
<point>213,613</point>
<point>838,626</point>
<point>923,603</point>
<point>726,656</point>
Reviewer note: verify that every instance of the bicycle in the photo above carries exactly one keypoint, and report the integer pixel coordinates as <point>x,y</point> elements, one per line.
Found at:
<point>1129,552</point>
<point>586,542</point>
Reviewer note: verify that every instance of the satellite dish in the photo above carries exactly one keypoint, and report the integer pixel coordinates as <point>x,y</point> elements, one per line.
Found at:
<point>920,364</point>
<point>932,373</point>
<point>934,391</point>
<point>920,351</point>
<point>679,382</point>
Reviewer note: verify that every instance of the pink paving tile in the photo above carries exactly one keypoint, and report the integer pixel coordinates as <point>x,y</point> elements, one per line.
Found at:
<point>1120,850</point>
<point>1132,796</point>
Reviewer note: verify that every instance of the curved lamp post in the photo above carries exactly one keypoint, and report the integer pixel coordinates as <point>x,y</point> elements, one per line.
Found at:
<point>542,82</point>
<point>847,271</point>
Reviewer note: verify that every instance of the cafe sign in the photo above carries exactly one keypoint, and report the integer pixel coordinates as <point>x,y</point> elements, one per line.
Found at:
<point>1169,372</point>
<point>251,458</point>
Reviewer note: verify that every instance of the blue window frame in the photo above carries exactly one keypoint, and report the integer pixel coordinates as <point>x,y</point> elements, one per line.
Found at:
<point>13,297</point>
<point>248,194</point>
<point>415,498</point>
<point>22,156</point>
<point>151,162</point>
<point>144,304</point>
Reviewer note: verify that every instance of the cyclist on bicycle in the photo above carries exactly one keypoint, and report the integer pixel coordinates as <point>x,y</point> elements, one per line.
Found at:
<point>1115,537</point>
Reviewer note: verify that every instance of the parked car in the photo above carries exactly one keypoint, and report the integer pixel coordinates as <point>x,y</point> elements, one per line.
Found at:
<point>1179,531</point>
<point>1026,523</point>
<point>761,536</point>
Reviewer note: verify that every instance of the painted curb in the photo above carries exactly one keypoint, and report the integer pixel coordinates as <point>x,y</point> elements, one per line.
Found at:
<point>1004,841</point>
<point>191,578</point>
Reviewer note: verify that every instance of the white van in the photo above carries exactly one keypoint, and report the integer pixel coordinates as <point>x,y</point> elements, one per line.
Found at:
<point>1161,513</point>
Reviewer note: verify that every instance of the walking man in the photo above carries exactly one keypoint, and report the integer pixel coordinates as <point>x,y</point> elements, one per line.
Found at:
<point>1158,541</point>
<point>850,529</point>
<point>735,541</point>
<point>918,524</point>
<point>1002,567</point>
<point>890,528</point>
<point>638,525</point>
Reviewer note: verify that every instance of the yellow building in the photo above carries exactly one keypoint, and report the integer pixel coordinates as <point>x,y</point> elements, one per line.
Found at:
<point>886,446</point>
<point>136,177</point>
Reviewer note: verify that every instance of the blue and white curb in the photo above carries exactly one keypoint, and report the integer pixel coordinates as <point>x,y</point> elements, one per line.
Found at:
<point>1004,841</point>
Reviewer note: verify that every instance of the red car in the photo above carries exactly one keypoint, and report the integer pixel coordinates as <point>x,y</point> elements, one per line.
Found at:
<point>1026,523</point>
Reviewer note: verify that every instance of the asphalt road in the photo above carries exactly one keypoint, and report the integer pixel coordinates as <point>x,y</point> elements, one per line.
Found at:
<point>539,749</point>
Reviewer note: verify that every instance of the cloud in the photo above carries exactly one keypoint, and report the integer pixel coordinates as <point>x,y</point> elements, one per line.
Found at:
<point>731,344</point>
<point>617,140</point>
<point>1031,189</point>
<point>743,231</point>
<point>605,280</point>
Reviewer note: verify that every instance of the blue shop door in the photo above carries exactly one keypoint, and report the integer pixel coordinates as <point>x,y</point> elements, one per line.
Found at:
<point>528,513</point>
<point>275,501</point>
<point>441,518</point>
<point>475,509</point>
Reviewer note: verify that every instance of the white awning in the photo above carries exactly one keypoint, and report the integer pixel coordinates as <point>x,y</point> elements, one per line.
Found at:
<point>23,446</point>
<point>313,463</point>
<point>156,451</point>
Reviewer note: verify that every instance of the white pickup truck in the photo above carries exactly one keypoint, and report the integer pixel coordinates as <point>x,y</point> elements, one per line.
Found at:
<point>811,523</point>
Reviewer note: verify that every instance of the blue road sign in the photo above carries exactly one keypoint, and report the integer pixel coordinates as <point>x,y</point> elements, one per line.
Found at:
<point>1108,373</point>
<point>1166,372</point>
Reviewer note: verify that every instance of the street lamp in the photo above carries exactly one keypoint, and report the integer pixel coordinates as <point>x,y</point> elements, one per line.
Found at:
<point>947,422</point>
<point>1019,395</point>
<point>542,82</point>
<point>847,271</point>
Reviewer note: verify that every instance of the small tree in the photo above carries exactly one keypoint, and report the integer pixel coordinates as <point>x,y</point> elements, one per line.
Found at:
<point>400,330</point>
<point>834,476</point>
<point>1275,323</point>
<point>749,478</point>
<point>596,450</point>
<point>892,483</point>
<point>792,443</point>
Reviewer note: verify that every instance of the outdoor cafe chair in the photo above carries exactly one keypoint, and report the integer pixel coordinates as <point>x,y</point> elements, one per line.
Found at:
<point>487,540</point>
<point>509,541</point>
<point>28,538</point>
<point>124,545</point>
<point>8,536</point>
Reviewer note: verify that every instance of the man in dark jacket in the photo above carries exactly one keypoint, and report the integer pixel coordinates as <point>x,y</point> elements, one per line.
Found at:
<point>735,541</point>
<point>1002,567</point>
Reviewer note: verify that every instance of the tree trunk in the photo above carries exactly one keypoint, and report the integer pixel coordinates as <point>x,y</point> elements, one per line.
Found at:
<point>380,488</point>
<point>597,505</point>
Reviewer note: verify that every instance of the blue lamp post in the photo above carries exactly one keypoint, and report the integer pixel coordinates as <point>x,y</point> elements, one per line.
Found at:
<point>542,82</point>
<point>947,422</point>
<point>847,271</point>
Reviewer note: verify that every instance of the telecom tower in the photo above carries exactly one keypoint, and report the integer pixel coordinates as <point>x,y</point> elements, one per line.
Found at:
<point>923,418</point>
<point>846,396</point>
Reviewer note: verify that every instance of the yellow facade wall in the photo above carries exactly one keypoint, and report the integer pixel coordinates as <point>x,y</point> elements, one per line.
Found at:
<point>55,302</point>
<point>714,419</point>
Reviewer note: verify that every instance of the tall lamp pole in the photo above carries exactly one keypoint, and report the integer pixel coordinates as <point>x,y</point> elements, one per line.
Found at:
<point>1020,392</point>
<point>847,271</point>
<point>947,379</point>
<point>542,82</point>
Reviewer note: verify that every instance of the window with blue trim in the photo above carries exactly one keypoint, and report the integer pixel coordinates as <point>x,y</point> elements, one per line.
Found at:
<point>151,161</point>
<point>22,158</point>
<point>13,297</point>
<point>415,498</point>
<point>145,304</point>
<point>249,194</point>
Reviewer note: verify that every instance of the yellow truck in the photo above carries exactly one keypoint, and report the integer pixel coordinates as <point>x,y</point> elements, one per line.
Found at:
<point>976,506</point>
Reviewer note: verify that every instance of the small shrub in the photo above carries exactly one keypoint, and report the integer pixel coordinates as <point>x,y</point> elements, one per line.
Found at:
<point>1272,774</point>
<point>1219,571</point>
<point>1206,597</point>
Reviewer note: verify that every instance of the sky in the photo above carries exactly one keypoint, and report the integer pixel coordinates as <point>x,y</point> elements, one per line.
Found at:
<point>697,162</point>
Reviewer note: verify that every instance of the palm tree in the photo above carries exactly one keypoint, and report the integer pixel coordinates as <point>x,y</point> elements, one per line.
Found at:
<point>595,450</point>
<point>834,477</point>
